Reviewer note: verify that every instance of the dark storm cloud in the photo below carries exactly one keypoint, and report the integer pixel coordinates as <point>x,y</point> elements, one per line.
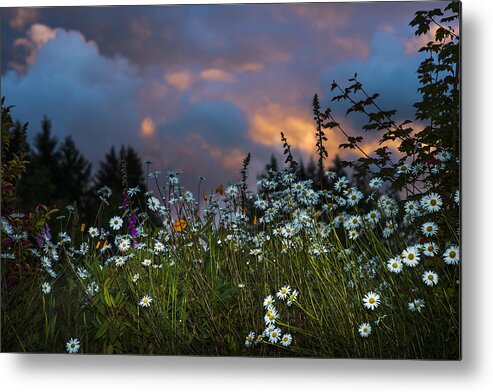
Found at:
<point>86,95</point>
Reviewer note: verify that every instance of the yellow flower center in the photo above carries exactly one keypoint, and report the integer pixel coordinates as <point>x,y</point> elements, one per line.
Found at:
<point>410,256</point>
<point>430,248</point>
<point>430,277</point>
<point>429,228</point>
<point>371,300</point>
<point>394,264</point>
<point>433,202</point>
<point>452,254</point>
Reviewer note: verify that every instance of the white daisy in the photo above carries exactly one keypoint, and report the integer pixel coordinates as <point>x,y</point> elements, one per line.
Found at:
<point>250,339</point>
<point>46,288</point>
<point>411,207</point>
<point>430,278</point>
<point>451,255</point>
<point>153,203</point>
<point>124,245</point>
<point>116,223</point>
<point>293,297</point>
<point>283,292</point>
<point>145,302</point>
<point>429,229</point>
<point>120,261</point>
<point>457,197</point>
<point>395,265</point>
<point>73,346</point>
<point>403,168</point>
<point>146,262</point>
<point>275,335</point>
<point>432,202</point>
<point>430,249</point>
<point>416,305</point>
<point>286,339</point>
<point>371,300</point>
<point>376,183</point>
<point>93,232</point>
<point>232,190</point>
<point>411,256</point>
<point>364,330</point>
<point>271,316</point>
<point>269,301</point>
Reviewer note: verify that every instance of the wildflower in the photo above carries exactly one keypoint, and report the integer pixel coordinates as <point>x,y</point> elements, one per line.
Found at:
<point>373,216</point>
<point>432,202</point>
<point>116,223</point>
<point>46,288</point>
<point>135,278</point>
<point>256,251</point>
<point>124,245</point>
<point>82,273</point>
<point>364,330</point>
<point>293,297</point>
<point>416,305</point>
<point>371,300</point>
<point>93,232</point>
<point>275,335</point>
<point>429,229</point>
<point>411,207</point>
<point>269,301</point>
<point>250,339</point>
<point>430,249</point>
<point>411,256</point>
<point>353,234</point>
<point>145,302</point>
<point>146,262</point>
<point>430,278</point>
<point>120,261</point>
<point>403,168</point>
<point>158,247</point>
<point>283,292</point>
<point>443,155</point>
<point>232,190</point>
<point>395,265</point>
<point>92,288</point>
<point>133,191</point>
<point>261,203</point>
<point>153,203</point>
<point>286,339</point>
<point>354,197</point>
<point>73,346</point>
<point>457,197</point>
<point>451,255</point>
<point>271,316</point>
<point>341,183</point>
<point>84,248</point>
<point>179,225</point>
<point>376,183</point>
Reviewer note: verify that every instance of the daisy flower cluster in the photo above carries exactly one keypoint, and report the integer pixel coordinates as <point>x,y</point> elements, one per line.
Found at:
<point>272,333</point>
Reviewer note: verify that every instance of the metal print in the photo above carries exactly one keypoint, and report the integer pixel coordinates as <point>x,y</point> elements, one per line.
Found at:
<point>266,180</point>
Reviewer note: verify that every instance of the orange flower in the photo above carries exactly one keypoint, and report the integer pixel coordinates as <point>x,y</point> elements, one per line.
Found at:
<point>82,227</point>
<point>255,220</point>
<point>179,225</point>
<point>220,190</point>
<point>205,196</point>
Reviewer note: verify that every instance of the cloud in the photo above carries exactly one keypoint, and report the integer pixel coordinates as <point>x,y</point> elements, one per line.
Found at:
<point>147,127</point>
<point>87,95</point>
<point>22,16</point>
<point>217,75</point>
<point>181,80</point>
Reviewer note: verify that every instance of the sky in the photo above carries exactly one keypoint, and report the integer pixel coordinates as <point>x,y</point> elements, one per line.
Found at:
<point>195,88</point>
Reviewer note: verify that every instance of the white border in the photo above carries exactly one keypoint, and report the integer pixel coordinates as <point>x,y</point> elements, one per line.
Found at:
<point>474,373</point>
